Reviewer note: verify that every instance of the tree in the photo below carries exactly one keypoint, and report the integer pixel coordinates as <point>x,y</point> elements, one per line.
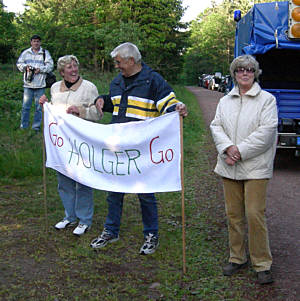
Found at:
<point>90,29</point>
<point>8,34</point>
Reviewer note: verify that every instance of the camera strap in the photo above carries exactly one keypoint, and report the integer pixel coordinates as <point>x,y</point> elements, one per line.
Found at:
<point>44,55</point>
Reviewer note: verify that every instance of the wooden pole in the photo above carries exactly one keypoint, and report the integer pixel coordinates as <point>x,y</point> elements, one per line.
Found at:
<point>44,177</point>
<point>182,197</point>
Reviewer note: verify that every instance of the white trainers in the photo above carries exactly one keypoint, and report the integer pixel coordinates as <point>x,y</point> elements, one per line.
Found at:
<point>81,229</point>
<point>64,224</point>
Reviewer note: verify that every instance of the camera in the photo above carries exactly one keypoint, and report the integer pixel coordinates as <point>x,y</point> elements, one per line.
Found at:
<point>29,73</point>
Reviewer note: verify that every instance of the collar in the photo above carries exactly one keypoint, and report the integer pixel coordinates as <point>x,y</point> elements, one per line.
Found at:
<point>63,87</point>
<point>39,52</point>
<point>143,75</point>
<point>254,91</point>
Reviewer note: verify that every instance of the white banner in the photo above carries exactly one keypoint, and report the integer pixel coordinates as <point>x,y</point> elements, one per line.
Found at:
<point>133,157</point>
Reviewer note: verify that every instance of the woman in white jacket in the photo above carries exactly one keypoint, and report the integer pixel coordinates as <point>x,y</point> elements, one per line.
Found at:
<point>76,96</point>
<point>244,130</point>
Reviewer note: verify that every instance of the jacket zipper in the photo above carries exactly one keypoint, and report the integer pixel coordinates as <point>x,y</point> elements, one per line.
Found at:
<point>236,128</point>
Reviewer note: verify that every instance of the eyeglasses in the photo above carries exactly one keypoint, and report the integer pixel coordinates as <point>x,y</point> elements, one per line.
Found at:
<point>241,70</point>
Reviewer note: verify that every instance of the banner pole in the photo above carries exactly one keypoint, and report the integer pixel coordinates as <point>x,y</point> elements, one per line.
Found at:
<point>44,175</point>
<point>182,197</point>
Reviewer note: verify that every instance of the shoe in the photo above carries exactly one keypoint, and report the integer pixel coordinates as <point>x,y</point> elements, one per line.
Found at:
<point>81,229</point>
<point>232,268</point>
<point>103,239</point>
<point>264,277</point>
<point>150,245</point>
<point>64,224</point>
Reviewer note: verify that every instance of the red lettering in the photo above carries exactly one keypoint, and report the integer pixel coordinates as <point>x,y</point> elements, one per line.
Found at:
<point>59,141</point>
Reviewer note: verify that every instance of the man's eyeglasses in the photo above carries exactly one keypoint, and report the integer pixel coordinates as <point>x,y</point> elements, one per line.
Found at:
<point>241,70</point>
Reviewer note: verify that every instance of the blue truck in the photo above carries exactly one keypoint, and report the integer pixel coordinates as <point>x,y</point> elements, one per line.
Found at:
<point>266,33</point>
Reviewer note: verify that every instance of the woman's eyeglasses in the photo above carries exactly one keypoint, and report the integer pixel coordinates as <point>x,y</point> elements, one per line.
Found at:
<point>242,70</point>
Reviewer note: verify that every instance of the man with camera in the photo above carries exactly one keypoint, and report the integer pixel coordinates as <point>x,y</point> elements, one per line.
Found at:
<point>35,62</point>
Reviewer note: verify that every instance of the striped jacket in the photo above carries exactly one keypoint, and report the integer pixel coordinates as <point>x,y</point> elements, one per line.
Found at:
<point>147,97</point>
<point>36,60</point>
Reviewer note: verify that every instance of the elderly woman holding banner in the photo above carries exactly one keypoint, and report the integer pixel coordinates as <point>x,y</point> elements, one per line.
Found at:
<point>76,96</point>
<point>245,130</point>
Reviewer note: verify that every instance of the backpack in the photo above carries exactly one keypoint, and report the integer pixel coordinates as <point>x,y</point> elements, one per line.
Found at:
<point>50,76</point>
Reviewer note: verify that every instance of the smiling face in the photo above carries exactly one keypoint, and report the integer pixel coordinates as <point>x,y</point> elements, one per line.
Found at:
<point>126,66</point>
<point>70,72</point>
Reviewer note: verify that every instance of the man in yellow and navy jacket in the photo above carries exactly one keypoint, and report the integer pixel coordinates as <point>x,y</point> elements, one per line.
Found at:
<point>137,93</point>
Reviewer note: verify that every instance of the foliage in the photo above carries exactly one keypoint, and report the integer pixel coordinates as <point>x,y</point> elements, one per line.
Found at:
<point>90,29</point>
<point>8,34</point>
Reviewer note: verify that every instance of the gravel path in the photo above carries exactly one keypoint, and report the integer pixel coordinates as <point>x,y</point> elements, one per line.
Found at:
<point>283,210</point>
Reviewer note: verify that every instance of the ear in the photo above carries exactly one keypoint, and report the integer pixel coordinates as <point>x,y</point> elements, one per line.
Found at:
<point>131,60</point>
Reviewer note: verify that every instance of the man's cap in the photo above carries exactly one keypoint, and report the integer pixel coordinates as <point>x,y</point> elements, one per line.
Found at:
<point>35,36</point>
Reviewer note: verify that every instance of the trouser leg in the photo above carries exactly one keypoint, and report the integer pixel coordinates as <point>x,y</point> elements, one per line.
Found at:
<point>26,106</point>
<point>84,204</point>
<point>37,119</point>
<point>235,211</point>
<point>67,193</point>
<point>115,207</point>
<point>149,213</point>
<point>255,203</point>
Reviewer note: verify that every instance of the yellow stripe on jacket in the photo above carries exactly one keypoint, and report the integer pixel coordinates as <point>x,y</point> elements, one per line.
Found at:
<point>166,103</point>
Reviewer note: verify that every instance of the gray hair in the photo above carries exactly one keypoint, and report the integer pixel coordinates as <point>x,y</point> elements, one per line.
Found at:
<point>245,61</point>
<point>126,51</point>
<point>64,60</point>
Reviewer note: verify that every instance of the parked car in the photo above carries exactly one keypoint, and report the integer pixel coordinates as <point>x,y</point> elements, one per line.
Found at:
<point>225,84</point>
<point>200,80</point>
<point>215,81</point>
<point>206,81</point>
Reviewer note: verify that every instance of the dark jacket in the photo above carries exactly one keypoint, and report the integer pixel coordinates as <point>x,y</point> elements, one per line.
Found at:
<point>148,96</point>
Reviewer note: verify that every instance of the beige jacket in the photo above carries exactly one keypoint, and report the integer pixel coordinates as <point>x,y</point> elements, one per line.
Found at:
<point>249,122</point>
<point>82,95</point>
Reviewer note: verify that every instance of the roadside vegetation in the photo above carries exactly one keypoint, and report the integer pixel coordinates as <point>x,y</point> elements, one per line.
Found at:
<point>40,263</point>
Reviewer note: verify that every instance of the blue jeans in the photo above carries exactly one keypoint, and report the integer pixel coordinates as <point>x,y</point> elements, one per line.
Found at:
<point>28,96</point>
<point>77,200</point>
<point>148,207</point>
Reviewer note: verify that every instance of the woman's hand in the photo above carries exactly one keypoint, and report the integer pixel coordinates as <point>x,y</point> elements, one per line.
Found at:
<point>99,105</point>
<point>73,110</point>
<point>229,161</point>
<point>233,153</point>
<point>43,99</point>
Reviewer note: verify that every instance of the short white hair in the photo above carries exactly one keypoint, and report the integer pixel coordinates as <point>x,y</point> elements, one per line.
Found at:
<point>126,51</point>
<point>64,60</point>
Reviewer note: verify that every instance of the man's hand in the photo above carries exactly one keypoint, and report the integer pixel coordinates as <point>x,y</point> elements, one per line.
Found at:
<point>181,109</point>
<point>37,70</point>
<point>43,99</point>
<point>73,110</point>
<point>99,105</point>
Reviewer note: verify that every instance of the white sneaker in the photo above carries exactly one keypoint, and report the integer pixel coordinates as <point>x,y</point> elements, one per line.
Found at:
<point>81,229</point>
<point>64,224</point>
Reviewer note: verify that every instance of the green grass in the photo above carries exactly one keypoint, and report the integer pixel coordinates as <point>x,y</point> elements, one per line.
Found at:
<point>39,263</point>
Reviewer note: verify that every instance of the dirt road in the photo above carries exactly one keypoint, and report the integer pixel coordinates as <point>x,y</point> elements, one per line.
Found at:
<point>283,211</point>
